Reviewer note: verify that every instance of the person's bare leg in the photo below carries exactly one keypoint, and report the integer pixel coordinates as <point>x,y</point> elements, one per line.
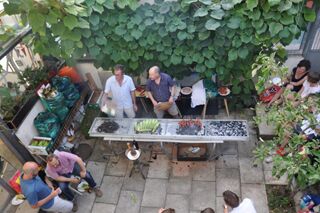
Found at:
<point>276,96</point>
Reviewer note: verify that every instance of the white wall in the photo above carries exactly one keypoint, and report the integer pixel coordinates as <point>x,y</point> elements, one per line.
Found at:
<point>27,130</point>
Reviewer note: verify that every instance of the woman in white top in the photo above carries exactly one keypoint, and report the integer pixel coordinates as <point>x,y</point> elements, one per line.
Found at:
<point>232,200</point>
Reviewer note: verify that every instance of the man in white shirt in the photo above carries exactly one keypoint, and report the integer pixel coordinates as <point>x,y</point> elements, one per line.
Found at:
<point>121,90</point>
<point>232,200</point>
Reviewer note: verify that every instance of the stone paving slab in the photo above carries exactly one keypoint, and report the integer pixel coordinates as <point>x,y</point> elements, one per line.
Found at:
<point>269,179</point>
<point>228,148</point>
<point>100,148</point>
<point>103,208</point>
<point>219,204</point>
<point>26,208</point>
<point>204,171</point>
<point>135,182</point>
<point>149,210</point>
<point>97,170</point>
<point>129,201</point>
<point>181,168</point>
<point>154,193</point>
<point>227,162</point>
<point>249,172</point>
<point>117,166</point>
<point>245,148</point>
<point>228,179</point>
<point>111,187</point>
<point>180,185</point>
<point>85,202</point>
<point>203,195</point>
<point>180,203</point>
<point>160,167</point>
<point>257,193</point>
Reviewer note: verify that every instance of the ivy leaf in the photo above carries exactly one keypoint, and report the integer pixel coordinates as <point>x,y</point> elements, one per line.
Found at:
<point>94,51</point>
<point>217,14</point>
<point>58,29</point>
<point>86,33</point>
<point>227,4</point>
<point>189,1</point>
<point>285,5</point>
<point>246,38</point>
<point>70,21</point>
<point>210,63</point>
<point>148,22</point>
<point>285,33</point>
<point>164,8</point>
<point>203,35</point>
<point>175,59</point>
<point>243,52</point>
<point>122,3</point>
<point>206,2</point>
<point>287,19</point>
<point>212,24</point>
<point>98,8</point>
<point>136,33</point>
<point>37,22</point>
<point>274,2</point>
<point>182,35</point>
<point>94,19</point>
<point>309,14</point>
<point>100,1</point>
<point>83,24</point>
<point>159,19</point>
<point>275,28</point>
<point>108,4</point>
<point>11,8</point>
<point>201,12</point>
<point>187,59</point>
<point>234,22</point>
<point>133,5</point>
<point>252,4</point>
<point>232,55</point>
<point>120,30</point>
<point>52,17</point>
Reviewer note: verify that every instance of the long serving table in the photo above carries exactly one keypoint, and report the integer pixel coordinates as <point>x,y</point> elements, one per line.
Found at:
<point>212,132</point>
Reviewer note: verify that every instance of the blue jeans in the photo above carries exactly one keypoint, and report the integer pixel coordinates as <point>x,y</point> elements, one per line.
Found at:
<point>64,186</point>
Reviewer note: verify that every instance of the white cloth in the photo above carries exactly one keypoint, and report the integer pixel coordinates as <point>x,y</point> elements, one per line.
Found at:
<point>198,96</point>
<point>308,90</point>
<point>121,95</point>
<point>246,206</point>
<point>60,205</point>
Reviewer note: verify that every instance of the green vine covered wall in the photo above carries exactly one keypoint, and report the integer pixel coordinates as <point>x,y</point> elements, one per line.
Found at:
<point>212,36</point>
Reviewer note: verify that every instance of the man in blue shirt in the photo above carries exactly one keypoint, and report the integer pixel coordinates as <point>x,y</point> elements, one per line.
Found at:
<point>40,195</point>
<point>161,89</point>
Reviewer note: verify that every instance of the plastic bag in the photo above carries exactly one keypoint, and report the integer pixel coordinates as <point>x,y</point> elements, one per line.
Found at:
<point>61,83</point>
<point>47,124</point>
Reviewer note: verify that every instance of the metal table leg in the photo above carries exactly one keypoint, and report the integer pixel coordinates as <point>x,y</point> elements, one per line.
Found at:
<point>212,152</point>
<point>226,105</point>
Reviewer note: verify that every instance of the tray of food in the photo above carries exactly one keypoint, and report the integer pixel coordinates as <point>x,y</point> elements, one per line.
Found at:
<point>148,126</point>
<point>190,127</point>
<point>226,128</point>
<point>107,126</point>
<point>224,91</point>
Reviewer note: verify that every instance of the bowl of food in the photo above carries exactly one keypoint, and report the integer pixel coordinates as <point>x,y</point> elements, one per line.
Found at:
<point>83,186</point>
<point>186,91</point>
<point>224,91</point>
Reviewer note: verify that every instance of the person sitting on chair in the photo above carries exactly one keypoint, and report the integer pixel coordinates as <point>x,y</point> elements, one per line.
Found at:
<point>61,166</point>
<point>158,87</point>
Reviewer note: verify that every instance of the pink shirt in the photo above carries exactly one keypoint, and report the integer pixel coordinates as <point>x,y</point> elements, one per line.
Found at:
<point>67,161</point>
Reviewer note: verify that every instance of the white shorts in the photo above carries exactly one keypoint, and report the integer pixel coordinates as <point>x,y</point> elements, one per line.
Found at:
<point>60,205</point>
<point>128,111</point>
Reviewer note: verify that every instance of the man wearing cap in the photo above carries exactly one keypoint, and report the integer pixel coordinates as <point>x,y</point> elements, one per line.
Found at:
<point>161,89</point>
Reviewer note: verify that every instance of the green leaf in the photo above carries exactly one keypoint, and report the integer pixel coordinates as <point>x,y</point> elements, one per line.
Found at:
<point>148,22</point>
<point>212,24</point>
<point>232,55</point>
<point>246,38</point>
<point>201,12</point>
<point>275,28</point>
<point>164,8</point>
<point>101,40</point>
<point>252,4</point>
<point>285,5</point>
<point>309,14</point>
<point>210,63</point>
<point>274,2</point>
<point>86,33</point>
<point>100,1</point>
<point>122,3</point>
<point>94,19</point>
<point>285,33</point>
<point>83,24</point>
<point>243,52</point>
<point>58,29</point>
<point>227,4</point>
<point>120,30</point>
<point>136,33</point>
<point>217,14</point>
<point>70,21</point>
<point>52,17</point>
<point>257,24</point>
<point>234,22</point>
<point>159,19</point>
<point>11,8</point>
<point>133,5</point>
<point>94,51</point>
<point>203,35</point>
<point>37,22</point>
<point>98,8</point>
<point>108,4</point>
<point>287,19</point>
<point>175,59</point>
<point>182,35</point>
<point>206,2</point>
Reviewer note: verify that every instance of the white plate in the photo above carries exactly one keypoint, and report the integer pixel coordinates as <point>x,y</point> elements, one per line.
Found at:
<point>133,157</point>
<point>228,92</point>
<point>15,201</point>
<point>80,186</point>
<point>186,90</point>
<point>276,80</point>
